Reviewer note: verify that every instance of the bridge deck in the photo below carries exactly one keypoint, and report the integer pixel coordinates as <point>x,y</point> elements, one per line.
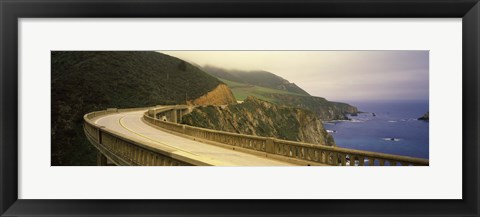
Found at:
<point>131,124</point>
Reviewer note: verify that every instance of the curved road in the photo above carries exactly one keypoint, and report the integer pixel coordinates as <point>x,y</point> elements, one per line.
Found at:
<point>131,124</point>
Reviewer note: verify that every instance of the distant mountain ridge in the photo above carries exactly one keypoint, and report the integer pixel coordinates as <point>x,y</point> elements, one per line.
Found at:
<point>268,86</point>
<point>258,78</point>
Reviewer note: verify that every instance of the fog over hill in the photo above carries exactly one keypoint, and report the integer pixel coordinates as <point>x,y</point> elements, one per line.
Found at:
<point>339,75</point>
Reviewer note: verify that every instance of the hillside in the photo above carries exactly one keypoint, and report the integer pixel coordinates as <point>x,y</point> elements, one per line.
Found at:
<point>241,91</point>
<point>325,110</point>
<point>275,89</point>
<point>261,118</point>
<point>257,78</point>
<point>82,82</point>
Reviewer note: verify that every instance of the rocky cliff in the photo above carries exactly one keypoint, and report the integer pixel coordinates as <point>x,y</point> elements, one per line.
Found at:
<point>261,118</point>
<point>221,95</point>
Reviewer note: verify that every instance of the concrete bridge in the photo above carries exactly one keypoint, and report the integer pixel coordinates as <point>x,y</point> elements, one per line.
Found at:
<point>153,137</point>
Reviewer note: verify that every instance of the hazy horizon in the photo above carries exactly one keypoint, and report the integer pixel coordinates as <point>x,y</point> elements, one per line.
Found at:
<point>336,75</point>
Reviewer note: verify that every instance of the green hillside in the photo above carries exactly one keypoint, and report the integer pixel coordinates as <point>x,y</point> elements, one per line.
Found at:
<point>241,91</point>
<point>325,110</point>
<point>82,82</point>
<point>257,78</point>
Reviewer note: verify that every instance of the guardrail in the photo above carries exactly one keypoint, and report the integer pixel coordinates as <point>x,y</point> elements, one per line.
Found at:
<point>122,150</point>
<point>335,156</point>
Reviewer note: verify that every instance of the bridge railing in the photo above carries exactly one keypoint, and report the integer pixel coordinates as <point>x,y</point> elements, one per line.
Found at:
<point>124,150</point>
<point>290,149</point>
<point>342,156</point>
<point>245,141</point>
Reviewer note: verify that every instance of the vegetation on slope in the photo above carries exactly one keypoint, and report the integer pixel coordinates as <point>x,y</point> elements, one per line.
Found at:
<point>241,91</point>
<point>257,78</point>
<point>82,82</point>
<point>325,110</point>
<point>261,118</point>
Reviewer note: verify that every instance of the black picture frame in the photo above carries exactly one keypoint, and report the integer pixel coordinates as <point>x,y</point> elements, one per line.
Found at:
<point>12,10</point>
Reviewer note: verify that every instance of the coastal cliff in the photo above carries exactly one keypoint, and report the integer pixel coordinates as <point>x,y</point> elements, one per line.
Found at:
<point>261,118</point>
<point>324,109</point>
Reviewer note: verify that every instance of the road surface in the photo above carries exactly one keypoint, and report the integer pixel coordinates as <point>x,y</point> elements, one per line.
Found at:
<point>131,124</point>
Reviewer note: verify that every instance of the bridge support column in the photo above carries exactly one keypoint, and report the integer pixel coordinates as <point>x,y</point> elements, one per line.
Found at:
<point>180,114</point>
<point>101,159</point>
<point>174,115</point>
<point>269,146</point>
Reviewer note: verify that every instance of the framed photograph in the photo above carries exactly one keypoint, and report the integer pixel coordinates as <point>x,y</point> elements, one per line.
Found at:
<point>231,108</point>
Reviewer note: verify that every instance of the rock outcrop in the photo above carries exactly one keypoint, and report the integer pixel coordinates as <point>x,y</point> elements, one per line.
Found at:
<point>424,117</point>
<point>221,95</point>
<point>261,118</point>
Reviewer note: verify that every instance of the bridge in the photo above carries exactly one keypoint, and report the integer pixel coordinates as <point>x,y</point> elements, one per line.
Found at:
<point>153,136</point>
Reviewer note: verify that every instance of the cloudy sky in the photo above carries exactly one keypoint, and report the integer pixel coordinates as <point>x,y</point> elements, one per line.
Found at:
<point>335,75</point>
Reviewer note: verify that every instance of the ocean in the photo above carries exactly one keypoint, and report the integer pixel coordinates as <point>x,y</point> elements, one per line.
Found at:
<point>394,129</point>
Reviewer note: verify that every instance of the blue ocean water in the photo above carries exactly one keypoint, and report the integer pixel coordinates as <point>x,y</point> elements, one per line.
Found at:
<point>393,130</point>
